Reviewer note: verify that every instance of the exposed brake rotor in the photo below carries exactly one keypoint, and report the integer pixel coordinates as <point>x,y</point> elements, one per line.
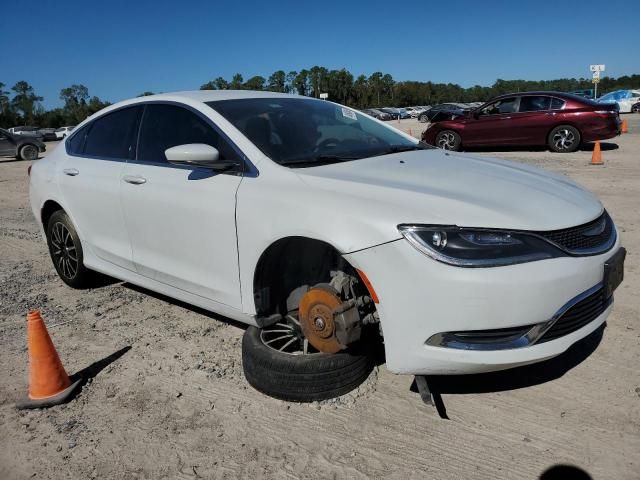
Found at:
<point>317,319</point>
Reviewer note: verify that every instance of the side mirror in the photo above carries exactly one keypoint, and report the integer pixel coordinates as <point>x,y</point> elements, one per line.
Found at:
<point>197,155</point>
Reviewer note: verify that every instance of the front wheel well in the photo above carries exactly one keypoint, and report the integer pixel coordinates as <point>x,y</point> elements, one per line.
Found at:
<point>289,263</point>
<point>48,209</point>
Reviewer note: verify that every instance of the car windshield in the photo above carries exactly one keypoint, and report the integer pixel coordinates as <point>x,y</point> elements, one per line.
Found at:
<point>299,132</point>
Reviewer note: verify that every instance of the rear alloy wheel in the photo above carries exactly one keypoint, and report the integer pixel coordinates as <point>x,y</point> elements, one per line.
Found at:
<point>448,140</point>
<point>28,152</point>
<point>635,108</point>
<point>66,251</point>
<point>564,139</point>
<point>423,118</point>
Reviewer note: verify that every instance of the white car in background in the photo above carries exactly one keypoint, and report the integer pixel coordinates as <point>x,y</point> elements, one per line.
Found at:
<point>414,111</point>
<point>327,232</point>
<point>625,99</point>
<point>62,132</point>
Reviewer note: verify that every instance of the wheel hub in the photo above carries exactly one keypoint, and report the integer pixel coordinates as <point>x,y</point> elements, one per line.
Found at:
<point>316,318</point>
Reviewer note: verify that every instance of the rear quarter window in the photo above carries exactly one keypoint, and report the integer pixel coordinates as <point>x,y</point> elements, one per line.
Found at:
<point>557,104</point>
<point>75,145</point>
<point>113,135</point>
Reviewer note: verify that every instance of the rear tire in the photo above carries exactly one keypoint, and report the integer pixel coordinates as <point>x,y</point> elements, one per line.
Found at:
<point>301,378</point>
<point>28,152</point>
<point>564,139</point>
<point>448,140</point>
<point>66,251</point>
<point>423,118</point>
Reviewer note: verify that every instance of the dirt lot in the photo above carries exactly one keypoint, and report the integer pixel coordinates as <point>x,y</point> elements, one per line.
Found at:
<point>167,398</point>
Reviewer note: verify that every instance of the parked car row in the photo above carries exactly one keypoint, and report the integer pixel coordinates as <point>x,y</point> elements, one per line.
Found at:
<point>46,134</point>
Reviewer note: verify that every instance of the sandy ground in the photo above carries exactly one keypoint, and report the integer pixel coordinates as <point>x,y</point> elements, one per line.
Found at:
<point>167,397</point>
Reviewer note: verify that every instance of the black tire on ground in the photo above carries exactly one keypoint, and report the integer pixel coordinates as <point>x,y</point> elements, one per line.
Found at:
<point>564,139</point>
<point>66,252</point>
<point>301,378</point>
<point>423,118</point>
<point>448,140</point>
<point>28,152</point>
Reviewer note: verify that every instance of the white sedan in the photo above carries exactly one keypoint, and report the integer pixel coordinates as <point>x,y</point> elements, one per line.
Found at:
<point>62,132</point>
<point>328,232</point>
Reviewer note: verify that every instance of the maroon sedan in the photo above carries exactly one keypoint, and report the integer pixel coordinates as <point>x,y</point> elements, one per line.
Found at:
<point>560,120</point>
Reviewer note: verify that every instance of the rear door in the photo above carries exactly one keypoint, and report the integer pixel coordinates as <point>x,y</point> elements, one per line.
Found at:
<point>90,179</point>
<point>7,146</point>
<point>492,125</point>
<point>533,120</point>
<point>181,219</point>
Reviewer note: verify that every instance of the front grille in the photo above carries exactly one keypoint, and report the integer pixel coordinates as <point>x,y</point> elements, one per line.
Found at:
<point>576,317</point>
<point>584,238</point>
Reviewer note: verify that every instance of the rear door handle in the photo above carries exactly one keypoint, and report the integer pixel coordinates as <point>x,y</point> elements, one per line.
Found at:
<point>72,172</point>
<point>134,179</point>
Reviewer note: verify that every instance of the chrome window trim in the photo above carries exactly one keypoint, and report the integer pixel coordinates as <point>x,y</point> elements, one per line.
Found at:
<point>535,333</point>
<point>249,169</point>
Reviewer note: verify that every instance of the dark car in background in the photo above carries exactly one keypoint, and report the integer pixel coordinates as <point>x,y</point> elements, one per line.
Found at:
<point>378,114</point>
<point>560,120</point>
<point>48,134</point>
<point>24,147</point>
<point>443,111</point>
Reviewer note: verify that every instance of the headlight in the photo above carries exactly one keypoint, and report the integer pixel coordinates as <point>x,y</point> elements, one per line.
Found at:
<point>476,247</point>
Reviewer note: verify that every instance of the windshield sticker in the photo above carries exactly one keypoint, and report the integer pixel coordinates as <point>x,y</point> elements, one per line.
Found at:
<point>349,113</point>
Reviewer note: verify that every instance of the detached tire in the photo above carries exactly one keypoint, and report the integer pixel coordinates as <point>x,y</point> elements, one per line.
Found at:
<point>301,378</point>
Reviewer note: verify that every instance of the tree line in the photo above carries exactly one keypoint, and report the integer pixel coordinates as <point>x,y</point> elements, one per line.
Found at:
<point>380,89</point>
<point>20,105</point>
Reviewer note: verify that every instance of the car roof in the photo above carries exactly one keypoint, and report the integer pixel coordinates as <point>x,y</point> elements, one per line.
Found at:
<point>214,95</point>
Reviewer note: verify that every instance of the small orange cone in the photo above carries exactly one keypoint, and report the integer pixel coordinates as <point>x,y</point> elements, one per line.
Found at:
<point>596,156</point>
<point>49,383</point>
<point>410,133</point>
<point>625,126</point>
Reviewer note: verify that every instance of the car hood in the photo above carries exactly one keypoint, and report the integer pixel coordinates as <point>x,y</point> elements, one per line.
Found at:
<point>437,187</point>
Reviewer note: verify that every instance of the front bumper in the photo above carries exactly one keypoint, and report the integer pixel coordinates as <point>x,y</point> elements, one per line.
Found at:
<point>421,298</point>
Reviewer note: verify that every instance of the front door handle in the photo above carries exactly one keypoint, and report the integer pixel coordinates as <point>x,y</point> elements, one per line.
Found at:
<point>134,179</point>
<point>72,172</point>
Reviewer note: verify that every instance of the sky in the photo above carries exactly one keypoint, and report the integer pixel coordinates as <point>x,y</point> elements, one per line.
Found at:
<point>118,49</point>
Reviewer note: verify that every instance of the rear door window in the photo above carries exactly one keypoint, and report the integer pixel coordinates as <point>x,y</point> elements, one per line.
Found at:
<point>113,135</point>
<point>166,126</point>
<point>534,103</point>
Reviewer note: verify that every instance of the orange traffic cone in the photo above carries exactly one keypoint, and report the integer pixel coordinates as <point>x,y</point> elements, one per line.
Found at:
<point>625,126</point>
<point>49,383</point>
<point>596,156</point>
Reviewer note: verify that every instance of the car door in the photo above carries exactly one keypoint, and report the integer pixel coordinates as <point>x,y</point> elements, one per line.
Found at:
<point>181,219</point>
<point>90,178</point>
<point>491,124</point>
<point>533,120</point>
<point>7,145</point>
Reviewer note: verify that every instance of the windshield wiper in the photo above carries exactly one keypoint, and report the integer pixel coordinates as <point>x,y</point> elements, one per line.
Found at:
<point>319,160</point>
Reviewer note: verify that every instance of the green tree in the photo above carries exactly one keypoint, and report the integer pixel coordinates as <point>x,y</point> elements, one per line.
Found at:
<point>236,82</point>
<point>25,100</point>
<point>255,83</point>
<point>301,82</point>
<point>75,103</point>
<point>277,82</point>
<point>4,98</point>
<point>146,94</point>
